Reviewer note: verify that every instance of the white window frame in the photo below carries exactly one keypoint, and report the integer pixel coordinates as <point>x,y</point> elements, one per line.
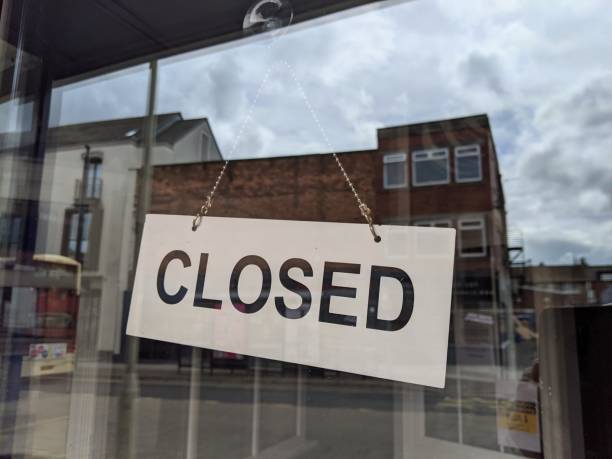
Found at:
<point>433,223</point>
<point>429,155</point>
<point>466,151</point>
<point>480,225</point>
<point>605,276</point>
<point>394,158</point>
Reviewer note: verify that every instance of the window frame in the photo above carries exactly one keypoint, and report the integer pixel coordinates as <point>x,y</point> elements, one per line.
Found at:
<point>94,178</point>
<point>390,158</point>
<point>481,225</point>
<point>433,223</point>
<point>91,256</point>
<point>460,152</point>
<point>605,276</point>
<point>429,152</point>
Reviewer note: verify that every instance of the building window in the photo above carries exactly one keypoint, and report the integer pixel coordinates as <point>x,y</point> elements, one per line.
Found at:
<point>434,223</point>
<point>472,238</point>
<point>90,235</point>
<point>93,184</point>
<point>430,167</point>
<point>73,235</point>
<point>605,277</point>
<point>394,171</point>
<point>468,166</point>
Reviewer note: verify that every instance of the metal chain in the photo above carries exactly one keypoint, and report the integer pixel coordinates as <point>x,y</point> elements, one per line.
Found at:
<point>363,207</point>
<point>209,199</point>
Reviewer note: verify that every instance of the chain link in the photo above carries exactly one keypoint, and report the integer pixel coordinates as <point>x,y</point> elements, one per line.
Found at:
<point>363,207</point>
<point>208,201</point>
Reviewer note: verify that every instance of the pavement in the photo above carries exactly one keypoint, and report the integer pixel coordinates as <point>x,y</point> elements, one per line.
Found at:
<point>343,416</point>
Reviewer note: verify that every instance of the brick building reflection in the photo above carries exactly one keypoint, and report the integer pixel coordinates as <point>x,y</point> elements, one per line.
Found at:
<point>441,173</point>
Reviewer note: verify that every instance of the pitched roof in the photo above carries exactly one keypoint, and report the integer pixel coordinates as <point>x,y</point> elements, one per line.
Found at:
<point>170,127</point>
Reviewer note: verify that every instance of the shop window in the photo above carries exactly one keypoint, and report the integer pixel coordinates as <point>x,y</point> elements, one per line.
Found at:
<point>472,238</point>
<point>430,167</point>
<point>468,167</point>
<point>394,171</point>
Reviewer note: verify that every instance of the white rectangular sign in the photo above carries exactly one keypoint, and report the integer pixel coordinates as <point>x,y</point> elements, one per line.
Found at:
<point>319,294</point>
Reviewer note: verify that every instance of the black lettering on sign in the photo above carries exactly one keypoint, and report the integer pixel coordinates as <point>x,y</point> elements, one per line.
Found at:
<point>402,319</point>
<point>328,290</point>
<point>250,308</point>
<point>161,274</point>
<point>199,300</point>
<point>296,287</point>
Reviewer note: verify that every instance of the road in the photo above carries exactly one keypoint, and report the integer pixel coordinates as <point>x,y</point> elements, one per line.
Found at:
<point>344,417</point>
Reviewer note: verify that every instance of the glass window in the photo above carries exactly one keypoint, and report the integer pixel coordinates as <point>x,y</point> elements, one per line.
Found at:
<point>430,167</point>
<point>468,166</point>
<point>394,171</point>
<point>472,238</point>
<point>605,277</point>
<point>94,179</point>
<point>434,223</point>
<point>77,234</point>
<point>96,137</point>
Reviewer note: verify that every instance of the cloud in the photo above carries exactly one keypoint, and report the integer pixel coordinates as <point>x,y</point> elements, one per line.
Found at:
<point>565,173</point>
<point>481,70</point>
<point>548,93</point>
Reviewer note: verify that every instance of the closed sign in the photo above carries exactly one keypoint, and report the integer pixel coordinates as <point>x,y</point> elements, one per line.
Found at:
<point>318,294</point>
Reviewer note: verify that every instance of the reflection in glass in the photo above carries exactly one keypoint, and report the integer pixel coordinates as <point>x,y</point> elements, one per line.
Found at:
<point>393,89</point>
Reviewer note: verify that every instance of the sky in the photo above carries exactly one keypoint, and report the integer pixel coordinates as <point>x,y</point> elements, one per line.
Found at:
<point>543,74</point>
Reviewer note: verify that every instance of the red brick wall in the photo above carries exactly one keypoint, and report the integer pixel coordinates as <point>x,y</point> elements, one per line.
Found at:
<point>437,199</point>
<point>296,188</point>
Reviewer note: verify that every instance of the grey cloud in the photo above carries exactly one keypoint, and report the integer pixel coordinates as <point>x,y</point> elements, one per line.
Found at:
<point>587,108</point>
<point>111,96</point>
<point>483,70</point>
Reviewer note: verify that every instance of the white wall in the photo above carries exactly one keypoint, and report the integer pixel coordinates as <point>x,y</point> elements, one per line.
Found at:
<point>119,171</point>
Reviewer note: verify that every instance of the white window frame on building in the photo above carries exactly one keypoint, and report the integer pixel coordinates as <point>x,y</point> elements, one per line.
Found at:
<point>605,276</point>
<point>472,223</point>
<point>394,159</point>
<point>433,154</point>
<point>94,178</point>
<point>468,151</point>
<point>439,223</point>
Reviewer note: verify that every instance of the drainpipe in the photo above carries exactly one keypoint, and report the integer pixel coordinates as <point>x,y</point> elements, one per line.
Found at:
<point>83,189</point>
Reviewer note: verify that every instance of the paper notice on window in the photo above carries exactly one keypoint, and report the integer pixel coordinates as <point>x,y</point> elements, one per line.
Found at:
<point>517,415</point>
